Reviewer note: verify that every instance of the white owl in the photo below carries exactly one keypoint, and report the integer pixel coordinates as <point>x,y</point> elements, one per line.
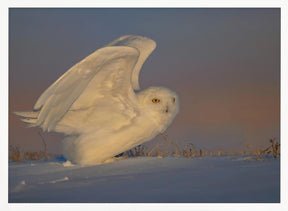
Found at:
<point>98,107</point>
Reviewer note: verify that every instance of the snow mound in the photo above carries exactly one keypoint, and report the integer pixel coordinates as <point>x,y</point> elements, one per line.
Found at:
<point>148,179</point>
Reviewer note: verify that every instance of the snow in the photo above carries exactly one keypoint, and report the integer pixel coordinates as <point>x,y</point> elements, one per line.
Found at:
<point>219,179</point>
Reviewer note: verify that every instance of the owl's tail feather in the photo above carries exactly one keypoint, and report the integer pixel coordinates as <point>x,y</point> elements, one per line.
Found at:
<point>29,117</point>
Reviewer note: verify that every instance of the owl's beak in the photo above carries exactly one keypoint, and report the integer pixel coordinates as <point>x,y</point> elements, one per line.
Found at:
<point>167,109</point>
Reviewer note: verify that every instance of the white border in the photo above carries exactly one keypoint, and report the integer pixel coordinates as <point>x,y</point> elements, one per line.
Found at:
<point>4,104</point>
<point>147,4</point>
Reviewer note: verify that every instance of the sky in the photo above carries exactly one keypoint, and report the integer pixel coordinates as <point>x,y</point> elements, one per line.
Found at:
<point>223,63</point>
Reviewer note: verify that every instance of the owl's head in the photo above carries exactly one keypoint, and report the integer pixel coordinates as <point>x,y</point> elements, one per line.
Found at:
<point>160,104</point>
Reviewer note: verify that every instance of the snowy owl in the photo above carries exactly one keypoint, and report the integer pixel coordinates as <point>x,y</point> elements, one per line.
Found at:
<point>99,106</point>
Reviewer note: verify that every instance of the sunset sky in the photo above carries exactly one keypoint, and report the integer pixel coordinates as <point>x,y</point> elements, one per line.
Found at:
<point>223,63</point>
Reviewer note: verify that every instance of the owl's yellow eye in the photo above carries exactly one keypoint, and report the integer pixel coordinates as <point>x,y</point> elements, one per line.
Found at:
<point>173,99</point>
<point>155,100</point>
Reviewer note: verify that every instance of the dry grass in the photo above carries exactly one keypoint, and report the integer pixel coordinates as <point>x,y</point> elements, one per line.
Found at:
<point>273,149</point>
<point>17,155</point>
<point>14,154</point>
<point>172,148</point>
<point>168,148</point>
<point>165,148</point>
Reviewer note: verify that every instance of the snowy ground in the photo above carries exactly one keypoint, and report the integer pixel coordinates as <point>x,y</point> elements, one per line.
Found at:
<point>146,179</point>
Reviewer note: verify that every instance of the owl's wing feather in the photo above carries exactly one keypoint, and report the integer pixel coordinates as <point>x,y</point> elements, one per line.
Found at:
<point>144,45</point>
<point>106,72</point>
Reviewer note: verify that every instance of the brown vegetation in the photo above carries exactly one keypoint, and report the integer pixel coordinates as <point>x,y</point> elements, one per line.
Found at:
<point>165,148</point>
<point>272,149</point>
<point>17,155</point>
<point>172,148</point>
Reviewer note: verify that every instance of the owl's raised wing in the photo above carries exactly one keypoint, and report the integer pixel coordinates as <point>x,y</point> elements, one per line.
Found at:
<point>144,45</point>
<point>106,72</point>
